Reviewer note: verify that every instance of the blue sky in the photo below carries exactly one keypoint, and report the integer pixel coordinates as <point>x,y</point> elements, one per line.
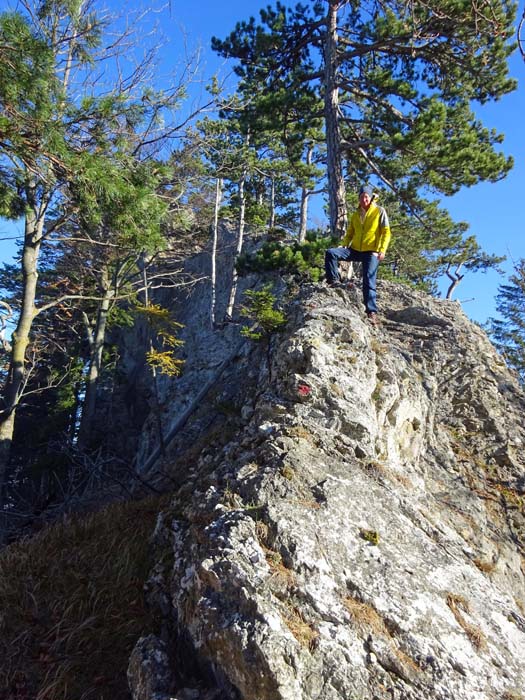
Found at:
<point>493,211</point>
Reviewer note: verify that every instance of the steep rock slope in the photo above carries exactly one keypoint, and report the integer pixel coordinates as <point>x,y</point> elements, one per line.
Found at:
<point>361,535</point>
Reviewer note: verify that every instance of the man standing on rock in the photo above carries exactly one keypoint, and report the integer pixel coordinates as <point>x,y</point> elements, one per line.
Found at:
<point>366,241</point>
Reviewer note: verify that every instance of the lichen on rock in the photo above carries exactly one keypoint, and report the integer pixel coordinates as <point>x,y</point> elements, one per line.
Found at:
<point>412,431</point>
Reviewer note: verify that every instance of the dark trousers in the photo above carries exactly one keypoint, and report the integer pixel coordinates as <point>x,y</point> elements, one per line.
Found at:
<point>370,263</point>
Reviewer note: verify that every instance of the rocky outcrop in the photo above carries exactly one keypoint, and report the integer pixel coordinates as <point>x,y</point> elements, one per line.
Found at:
<point>353,527</point>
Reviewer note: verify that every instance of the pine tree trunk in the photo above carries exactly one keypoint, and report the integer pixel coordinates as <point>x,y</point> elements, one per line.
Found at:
<point>272,204</point>
<point>336,185</point>
<point>456,278</point>
<point>305,197</point>
<point>13,389</point>
<point>6,437</point>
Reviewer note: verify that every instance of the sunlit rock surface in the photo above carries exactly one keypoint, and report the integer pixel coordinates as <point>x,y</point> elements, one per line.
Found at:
<point>350,525</point>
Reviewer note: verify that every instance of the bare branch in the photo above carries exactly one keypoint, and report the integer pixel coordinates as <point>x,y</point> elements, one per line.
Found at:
<point>521,35</point>
<point>4,319</point>
<point>456,278</point>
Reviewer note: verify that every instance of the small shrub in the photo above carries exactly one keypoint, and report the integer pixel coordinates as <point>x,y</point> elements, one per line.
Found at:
<point>303,259</point>
<point>260,308</point>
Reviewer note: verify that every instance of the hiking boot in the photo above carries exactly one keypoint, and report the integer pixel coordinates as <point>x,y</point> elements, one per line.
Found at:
<point>334,284</point>
<point>373,318</point>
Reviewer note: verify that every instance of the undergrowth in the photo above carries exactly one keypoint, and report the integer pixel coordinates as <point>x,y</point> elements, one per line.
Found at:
<point>72,605</point>
<point>303,259</point>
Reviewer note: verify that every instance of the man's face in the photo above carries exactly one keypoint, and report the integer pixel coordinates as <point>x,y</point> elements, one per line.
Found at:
<point>364,200</point>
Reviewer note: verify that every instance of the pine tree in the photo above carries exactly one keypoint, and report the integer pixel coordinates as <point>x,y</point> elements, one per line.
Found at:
<point>396,84</point>
<point>508,333</point>
<point>60,139</point>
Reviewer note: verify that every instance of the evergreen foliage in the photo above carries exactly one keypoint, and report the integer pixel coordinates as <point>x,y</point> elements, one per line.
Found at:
<point>508,333</point>
<point>303,259</point>
<point>260,308</point>
<point>395,84</point>
<point>77,161</point>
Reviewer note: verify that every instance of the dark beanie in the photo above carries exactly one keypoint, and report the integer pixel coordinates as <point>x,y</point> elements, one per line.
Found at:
<point>366,189</point>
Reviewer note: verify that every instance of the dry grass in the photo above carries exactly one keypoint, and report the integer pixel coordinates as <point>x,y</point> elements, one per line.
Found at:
<point>287,472</point>
<point>511,497</point>
<point>303,631</point>
<point>301,433</point>
<point>262,531</point>
<point>282,577</point>
<point>377,347</point>
<point>487,567</point>
<point>304,503</point>
<point>378,470</point>
<point>365,617</point>
<point>72,607</point>
<point>459,605</point>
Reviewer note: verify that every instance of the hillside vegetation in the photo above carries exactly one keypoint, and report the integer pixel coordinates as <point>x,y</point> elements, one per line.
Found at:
<point>72,605</point>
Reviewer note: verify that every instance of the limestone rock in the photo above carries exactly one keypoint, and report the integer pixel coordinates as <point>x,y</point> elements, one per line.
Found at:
<point>357,529</point>
<point>149,673</point>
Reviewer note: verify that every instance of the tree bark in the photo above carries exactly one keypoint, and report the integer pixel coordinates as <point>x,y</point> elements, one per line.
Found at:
<point>16,378</point>
<point>456,278</point>
<point>305,197</point>
<point>95,365</point>
<point>336,184</point>
<point>218,198</point>
<point>240,238</point>
<point>272,203</point>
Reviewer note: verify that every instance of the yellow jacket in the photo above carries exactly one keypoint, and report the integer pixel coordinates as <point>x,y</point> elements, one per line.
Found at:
<point>371,234</point>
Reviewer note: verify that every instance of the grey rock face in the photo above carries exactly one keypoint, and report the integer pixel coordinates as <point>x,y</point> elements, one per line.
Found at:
<point>149,672</point>
<point>361,535</point>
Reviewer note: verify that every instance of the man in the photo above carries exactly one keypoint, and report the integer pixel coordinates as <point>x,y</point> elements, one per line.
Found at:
<point>366,241</point>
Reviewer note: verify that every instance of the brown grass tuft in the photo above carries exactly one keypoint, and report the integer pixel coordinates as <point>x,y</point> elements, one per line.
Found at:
<point>72,606</point>
<point>281,575</point>
<point>365,617</point>
<point>458,604</point>
<point>378,470</point>
<point>303,631</point>
<point>262,531</point>
<point>487,567</point>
